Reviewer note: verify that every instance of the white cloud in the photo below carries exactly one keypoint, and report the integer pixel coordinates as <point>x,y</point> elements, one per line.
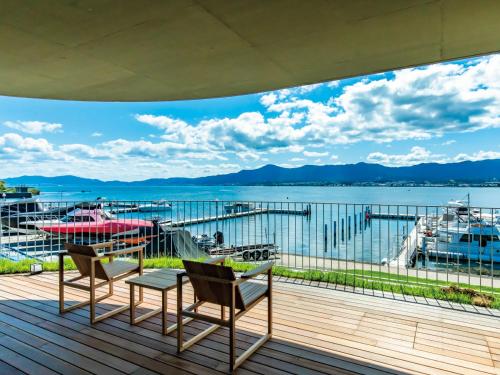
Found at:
<point>334,157</point>
<point>418,155</point>
<point>480,155</point>
<point>28,150</point>
<point>96,134</point>
<point>447,143</point>
<point>307,88</point>
<point>268,99</point>
<point>248,155</point>
<point>86,151</point>
<point>314,154</point>
<point>34,127</point>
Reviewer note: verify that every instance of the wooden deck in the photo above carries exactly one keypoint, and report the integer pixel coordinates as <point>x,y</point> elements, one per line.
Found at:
<point>316,331</point>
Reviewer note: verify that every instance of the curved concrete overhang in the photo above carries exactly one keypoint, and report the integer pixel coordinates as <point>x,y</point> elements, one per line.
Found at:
<point>148,50</point>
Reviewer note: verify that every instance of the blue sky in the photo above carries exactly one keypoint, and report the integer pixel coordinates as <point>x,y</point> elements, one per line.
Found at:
<point>438,113</point>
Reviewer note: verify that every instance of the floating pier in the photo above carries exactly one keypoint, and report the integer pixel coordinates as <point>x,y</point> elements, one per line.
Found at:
<point>236,215</point>
<point>124,210</point>
<point>391,216</point>
<point>409,247</point>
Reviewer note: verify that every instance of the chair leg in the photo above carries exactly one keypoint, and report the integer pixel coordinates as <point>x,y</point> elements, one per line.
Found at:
<point>92,293</point>
<point>270,303</point>
<point>61,296</point>
<point>61,283</point>
<point>180,328</point>
<point>132,303</point>
<point>263,339</point>
<point>232,333</point>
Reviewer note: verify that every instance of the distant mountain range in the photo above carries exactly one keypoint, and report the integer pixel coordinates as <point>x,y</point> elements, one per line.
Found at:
<point>360,173</point>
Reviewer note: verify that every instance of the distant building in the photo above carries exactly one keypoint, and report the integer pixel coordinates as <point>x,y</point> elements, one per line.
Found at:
<point>19,193</point>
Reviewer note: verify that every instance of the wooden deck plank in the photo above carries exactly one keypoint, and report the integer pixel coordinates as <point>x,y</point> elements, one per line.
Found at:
<point>422,353</point>
<point>317,331</point>
<point>22,363</point>
<point>116,365</point>
<point>55,350</point>
<point>48,360</point>
<point>6,369</point>
<point>215,365</point>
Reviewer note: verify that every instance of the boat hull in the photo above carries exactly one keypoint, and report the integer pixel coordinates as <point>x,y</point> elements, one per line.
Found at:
<point>108,227</point>
<point>473,252</point>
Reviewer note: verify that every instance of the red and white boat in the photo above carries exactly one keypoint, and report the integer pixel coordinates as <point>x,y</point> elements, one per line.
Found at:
<point>96,222</point>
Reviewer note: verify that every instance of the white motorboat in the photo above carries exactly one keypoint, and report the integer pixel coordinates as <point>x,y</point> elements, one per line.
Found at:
<point>464,234</point>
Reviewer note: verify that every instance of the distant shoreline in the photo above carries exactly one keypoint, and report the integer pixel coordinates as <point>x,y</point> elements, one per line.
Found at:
<point>298,184</point>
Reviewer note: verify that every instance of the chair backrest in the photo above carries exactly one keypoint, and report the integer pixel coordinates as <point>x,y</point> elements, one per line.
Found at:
<point>213,291</point>
<point>81,255</point>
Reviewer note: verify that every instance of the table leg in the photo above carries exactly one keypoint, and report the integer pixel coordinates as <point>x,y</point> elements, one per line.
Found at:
<point>164,322</point>
<point>132,303</point>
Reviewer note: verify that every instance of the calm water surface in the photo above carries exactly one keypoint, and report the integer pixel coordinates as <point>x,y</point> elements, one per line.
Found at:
<point>335,230</point>
<point>485,197</point>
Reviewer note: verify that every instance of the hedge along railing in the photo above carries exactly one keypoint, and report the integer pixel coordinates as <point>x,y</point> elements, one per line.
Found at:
<point>362,245</point>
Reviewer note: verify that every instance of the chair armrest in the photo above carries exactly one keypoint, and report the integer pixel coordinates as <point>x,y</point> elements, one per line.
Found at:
<point>181,274</point>
<point>129,250</point>
<point>102,245</point>
<point>220,259</point>
<point>263,268</point>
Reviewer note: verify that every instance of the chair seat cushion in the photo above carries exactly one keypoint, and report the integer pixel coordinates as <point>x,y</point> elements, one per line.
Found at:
<point>251,290</point>
<point>117,268</point>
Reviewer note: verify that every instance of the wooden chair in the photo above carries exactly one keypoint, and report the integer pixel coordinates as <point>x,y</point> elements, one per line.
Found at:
<point>88,262</point>
<point>217,284</point>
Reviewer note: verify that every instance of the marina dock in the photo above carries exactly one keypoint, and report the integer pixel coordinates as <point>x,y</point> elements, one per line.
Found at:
<point>391,216</point>
<point>409,247</point>
<point>236,215</point>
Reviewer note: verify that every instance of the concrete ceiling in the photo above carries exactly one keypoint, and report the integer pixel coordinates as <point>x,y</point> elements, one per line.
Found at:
<point>147,50</point>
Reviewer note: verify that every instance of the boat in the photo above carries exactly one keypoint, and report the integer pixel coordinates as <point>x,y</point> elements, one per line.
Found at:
<point>22,213</point>
<point>461,234</point>
<point>207,243</point>
<point>238,207</point>
<point>96,221</point>
<point>204,242</point>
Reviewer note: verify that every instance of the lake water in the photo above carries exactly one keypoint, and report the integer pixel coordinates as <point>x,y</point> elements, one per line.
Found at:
<point>485,197</point>
<point>336,228</point>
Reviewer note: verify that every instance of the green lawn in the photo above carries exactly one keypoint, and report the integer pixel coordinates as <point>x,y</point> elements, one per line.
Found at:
<point>391,283</point>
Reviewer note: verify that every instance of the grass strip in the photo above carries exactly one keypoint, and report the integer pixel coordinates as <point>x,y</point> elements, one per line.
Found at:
<point>418,287</point>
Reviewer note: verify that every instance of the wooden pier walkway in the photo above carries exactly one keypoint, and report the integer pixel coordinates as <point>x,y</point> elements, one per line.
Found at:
<point>236,215</point>
<point>392,216</point>
<point>409,247</point>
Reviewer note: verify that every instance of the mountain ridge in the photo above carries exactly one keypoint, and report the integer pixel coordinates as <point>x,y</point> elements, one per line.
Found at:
<point>359,173</point>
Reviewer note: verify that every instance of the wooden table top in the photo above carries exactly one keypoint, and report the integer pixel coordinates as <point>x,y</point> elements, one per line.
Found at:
<point>164,279</point>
